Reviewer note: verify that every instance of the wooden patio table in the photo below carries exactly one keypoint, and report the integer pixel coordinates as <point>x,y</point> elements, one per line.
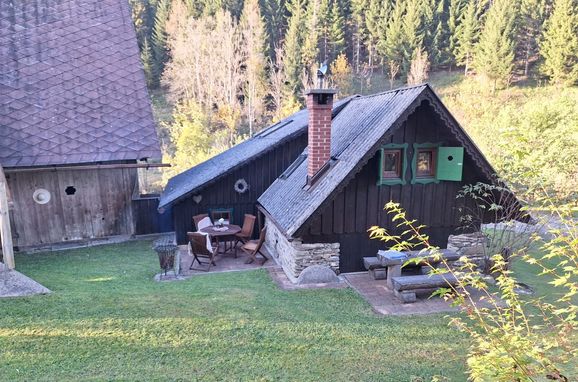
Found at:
<point>394,260</point>
<point>221,234</point>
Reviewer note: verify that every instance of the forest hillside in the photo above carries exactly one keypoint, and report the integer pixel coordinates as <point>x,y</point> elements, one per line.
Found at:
<point>221,70</point>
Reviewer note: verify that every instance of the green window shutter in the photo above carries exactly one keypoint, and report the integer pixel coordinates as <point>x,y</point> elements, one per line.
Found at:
<point>450,163</point>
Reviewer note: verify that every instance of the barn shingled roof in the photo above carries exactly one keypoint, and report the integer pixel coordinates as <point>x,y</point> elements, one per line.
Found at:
<point>356,133</point>
<point>72,88</point>
<point>214,168</point>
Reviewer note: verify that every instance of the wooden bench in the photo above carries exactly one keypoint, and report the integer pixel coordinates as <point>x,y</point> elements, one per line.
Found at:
<point>375,268</point>
<point>406,287</point>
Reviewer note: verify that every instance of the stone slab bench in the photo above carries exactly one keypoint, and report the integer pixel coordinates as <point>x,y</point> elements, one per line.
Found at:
<point>405,287</point>
<point>394,260</point>
<point>375,268</point>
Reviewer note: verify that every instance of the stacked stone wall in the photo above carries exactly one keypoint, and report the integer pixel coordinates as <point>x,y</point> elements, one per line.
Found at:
<point>294,255</point>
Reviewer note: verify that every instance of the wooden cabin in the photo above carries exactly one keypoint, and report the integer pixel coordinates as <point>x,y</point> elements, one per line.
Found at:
<point>319,198</point>
<point>214,185</point>
<point>401,145</point>
<point>75,120</point>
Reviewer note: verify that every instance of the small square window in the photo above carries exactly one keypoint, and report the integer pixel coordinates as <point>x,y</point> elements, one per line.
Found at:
<point>425,163</point>
<point>391,164</point>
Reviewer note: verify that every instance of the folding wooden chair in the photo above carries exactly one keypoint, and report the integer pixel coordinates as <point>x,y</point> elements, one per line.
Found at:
<point>200,251</point>
<point>197,219</point>
<point>253,248</point>
<point>246,232</point>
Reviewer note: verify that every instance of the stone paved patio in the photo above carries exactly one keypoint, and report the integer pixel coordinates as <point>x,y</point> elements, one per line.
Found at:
<point>225,263</point>
<point>384,302</point>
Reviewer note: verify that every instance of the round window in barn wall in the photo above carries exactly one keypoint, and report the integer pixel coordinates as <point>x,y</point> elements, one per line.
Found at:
<point>41,196</point>
<point>70,190</point>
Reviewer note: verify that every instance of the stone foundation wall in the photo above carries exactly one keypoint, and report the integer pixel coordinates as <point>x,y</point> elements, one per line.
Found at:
<point>471,245</point>
<point>294,256</point>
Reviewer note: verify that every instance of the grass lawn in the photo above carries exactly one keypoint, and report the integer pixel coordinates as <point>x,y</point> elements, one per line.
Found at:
<point>108,320</point>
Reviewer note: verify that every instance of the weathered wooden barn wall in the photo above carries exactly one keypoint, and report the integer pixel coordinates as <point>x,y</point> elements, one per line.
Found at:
<point>100,206</point>
<point>360,205</point>
<point>259,174</point>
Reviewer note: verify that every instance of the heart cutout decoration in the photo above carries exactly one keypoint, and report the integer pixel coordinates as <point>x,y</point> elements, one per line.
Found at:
<point>197,198</point>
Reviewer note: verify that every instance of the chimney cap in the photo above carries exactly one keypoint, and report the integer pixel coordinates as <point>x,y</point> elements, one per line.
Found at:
<point>320,91</point>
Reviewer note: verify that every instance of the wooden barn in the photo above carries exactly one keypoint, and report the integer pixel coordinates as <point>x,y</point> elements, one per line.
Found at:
<point>75,119</point>
<point>322,176</point>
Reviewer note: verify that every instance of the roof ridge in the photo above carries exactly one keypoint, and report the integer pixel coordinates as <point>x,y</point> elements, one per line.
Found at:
<point>403,88</point>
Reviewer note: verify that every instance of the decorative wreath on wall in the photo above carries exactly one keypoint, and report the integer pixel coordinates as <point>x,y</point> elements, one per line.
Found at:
<point>241,186</point>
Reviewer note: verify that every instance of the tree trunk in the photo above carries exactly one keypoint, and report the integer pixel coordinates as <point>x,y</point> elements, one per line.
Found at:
<point>527,62</point>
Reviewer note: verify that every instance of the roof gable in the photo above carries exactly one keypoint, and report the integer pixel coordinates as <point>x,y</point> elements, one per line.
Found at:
<point>72,89</point>
<point>203,174</point>
<point>357,133</point>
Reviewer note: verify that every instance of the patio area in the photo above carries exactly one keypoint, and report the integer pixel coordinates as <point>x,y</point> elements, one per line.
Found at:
<point>225,262</point>
<point>383,301</point>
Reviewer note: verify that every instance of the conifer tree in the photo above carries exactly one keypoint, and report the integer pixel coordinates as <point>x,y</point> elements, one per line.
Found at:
<point>324,29</point>
<point>437,37</point>
<point>495,52</point>
<point>359,30</point>
<point>310,48</point>
<point>336,29</point>
<point>292,46</point>
<point>468,31</point>
<point>429,18</point>
<point>253,40</point>
<point>275,16</point>
<point>532,17</point>
<point>376,22</point>
<point>454,17</point>
<point>559,47</point>
<point>413,31</point>
<point>159,39</point>
<point>391,45</point>
<point>147,62</point>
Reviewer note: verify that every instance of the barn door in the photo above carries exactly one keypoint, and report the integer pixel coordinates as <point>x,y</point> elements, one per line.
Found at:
<point>450,163</point>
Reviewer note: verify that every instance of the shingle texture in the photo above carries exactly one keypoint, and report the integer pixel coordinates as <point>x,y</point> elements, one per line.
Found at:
<point>72,89</point>
<point>355,131</point>
<point>201,175</point>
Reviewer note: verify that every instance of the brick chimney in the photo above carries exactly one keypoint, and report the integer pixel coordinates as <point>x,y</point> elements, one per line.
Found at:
<point>320,106</point>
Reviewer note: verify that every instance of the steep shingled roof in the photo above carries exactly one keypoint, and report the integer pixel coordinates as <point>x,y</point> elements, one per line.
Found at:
<point>72,89</point>
<point>209,171</point>
<point>356,133</point>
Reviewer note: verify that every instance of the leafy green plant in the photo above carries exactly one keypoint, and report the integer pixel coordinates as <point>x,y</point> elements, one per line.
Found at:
<point>504,216</point>
<point>513,338</point>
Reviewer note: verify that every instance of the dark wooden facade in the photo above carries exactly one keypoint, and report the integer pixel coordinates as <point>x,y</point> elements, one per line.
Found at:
<point>220,194</point>
<point>148,219</point>
<point>101,205</point>
<point>359,205</point>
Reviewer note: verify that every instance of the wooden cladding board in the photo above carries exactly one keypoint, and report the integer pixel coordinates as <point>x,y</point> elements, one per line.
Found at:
<point>259,174</point>
<point>99,207</point>
<point>360,204</point>
<point>148,219</point>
